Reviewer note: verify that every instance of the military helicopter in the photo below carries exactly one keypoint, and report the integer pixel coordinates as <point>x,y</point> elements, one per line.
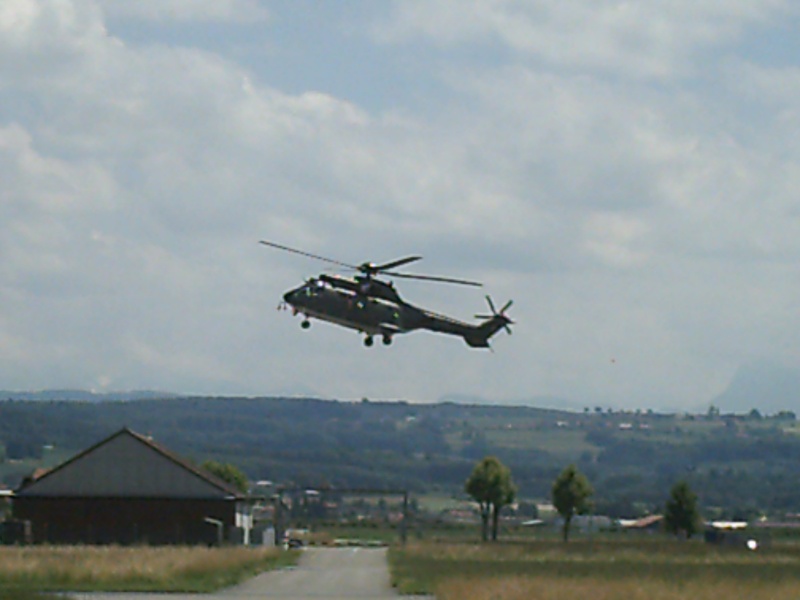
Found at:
<point>373,306</point>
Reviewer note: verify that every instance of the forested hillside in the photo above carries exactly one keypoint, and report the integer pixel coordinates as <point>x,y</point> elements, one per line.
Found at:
<point>741,465</point>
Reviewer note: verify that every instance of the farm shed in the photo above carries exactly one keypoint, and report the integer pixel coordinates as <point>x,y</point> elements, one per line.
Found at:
<point>128,490</point>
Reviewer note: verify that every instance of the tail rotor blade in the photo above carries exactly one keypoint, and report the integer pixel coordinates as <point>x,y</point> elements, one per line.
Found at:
<point>498,317</point>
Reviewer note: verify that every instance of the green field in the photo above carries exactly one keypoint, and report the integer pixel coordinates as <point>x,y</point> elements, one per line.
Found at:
<point>623,568</point>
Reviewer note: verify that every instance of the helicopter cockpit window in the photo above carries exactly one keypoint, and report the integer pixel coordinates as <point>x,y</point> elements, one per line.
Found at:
<point>313,288</point>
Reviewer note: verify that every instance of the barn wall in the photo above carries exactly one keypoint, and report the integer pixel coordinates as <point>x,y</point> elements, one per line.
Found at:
<point>124,520</point>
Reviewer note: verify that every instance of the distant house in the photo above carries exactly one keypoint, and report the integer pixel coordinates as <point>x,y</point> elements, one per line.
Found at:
<point>128,490</point>
<point>650,523</point>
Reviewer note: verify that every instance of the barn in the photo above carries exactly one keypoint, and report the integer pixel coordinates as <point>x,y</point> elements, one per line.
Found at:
<point>127,489</point>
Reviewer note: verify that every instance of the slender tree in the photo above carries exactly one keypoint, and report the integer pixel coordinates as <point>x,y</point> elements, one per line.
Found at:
<point>681,514</point>
<point>491,486</point>
<point>571,493</point>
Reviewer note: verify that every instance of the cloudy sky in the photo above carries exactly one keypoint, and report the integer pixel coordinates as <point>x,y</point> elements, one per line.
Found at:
<point>627,172</point>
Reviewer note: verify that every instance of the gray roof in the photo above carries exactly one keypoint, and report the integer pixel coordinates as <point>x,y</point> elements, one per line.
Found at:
<point>127,465</point>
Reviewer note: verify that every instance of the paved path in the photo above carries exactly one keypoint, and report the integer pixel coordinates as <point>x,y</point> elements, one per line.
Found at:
<point>322,573</point>
<point>325,573</point>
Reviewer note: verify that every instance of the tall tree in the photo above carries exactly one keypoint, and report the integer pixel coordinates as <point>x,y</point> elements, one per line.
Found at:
<point>491,486</point>
<point>227,473</point>
<point>681,514</point>
<point>571,493</point>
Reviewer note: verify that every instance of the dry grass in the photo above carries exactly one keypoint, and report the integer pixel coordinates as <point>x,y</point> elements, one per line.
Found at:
<point>131,568</point>
<point>629,569</point>
<point>559,588</point>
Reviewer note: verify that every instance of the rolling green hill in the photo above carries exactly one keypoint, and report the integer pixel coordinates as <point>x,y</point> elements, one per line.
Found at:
<point>741,465</point>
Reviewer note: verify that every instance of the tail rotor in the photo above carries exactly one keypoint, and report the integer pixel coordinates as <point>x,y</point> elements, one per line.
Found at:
<point>499,316</point>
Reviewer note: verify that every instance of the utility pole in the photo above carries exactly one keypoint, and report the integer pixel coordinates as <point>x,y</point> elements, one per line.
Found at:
<point>277,517</point>
<point>404,524</point>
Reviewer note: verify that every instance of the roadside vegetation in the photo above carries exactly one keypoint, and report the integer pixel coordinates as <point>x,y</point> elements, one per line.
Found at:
<point>112,568</point>
<point>660,568</point>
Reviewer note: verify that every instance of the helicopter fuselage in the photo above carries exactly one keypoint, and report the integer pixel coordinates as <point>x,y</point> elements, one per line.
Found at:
<point>373,307</point>
<point>378,311</point>
<point>368,315</point>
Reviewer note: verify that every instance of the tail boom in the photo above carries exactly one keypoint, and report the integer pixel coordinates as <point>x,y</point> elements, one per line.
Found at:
<point>476,336</point>
<point>479,336</point>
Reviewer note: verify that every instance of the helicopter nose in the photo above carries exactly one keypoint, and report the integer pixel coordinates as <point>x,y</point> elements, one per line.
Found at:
<point>288,296</point>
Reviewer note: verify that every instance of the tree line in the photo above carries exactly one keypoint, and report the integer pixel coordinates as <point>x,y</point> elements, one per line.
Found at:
<point>491,485</point>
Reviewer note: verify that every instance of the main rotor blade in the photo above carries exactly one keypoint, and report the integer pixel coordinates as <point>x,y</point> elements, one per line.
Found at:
<point>434,278</point>
<point>308,254</point>
<point>396,263</point>
<point>370,269</point>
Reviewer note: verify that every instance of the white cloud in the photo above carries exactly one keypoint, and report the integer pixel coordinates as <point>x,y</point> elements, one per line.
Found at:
<point>641,39</point>
<point>653,224</point>
<point>236,11</point>
<point>613,238</point>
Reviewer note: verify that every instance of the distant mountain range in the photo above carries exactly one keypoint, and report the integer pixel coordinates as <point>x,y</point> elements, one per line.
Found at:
<point>766,386</point>
<point>84,395</point>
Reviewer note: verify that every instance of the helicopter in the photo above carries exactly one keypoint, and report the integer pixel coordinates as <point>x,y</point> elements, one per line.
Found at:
<point>373,307</point>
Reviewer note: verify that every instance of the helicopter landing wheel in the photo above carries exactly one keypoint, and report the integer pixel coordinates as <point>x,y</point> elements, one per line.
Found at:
<point>305,324</point>
<point>387,339</point>
<point>368,341</point>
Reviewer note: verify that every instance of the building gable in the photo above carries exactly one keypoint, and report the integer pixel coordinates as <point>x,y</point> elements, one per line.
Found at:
<point>126,465</point>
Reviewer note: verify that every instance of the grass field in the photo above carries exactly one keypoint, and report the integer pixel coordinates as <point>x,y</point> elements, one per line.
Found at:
<point>22,595</point>
<point>113,568</point>
<point>662,569</point>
